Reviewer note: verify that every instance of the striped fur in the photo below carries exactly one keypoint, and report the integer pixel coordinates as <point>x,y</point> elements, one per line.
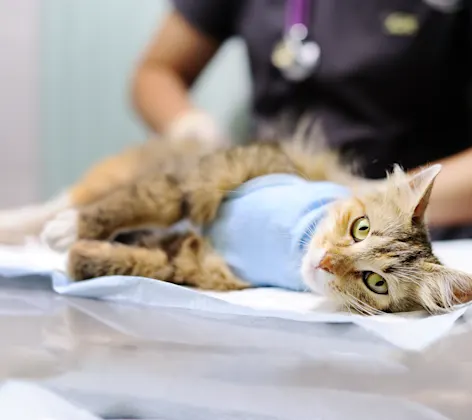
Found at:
<point>398,248</point>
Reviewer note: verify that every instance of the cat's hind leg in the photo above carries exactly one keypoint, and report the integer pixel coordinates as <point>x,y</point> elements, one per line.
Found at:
<point>89,259</point>
<point>183,259</point>
<point>197,264</point>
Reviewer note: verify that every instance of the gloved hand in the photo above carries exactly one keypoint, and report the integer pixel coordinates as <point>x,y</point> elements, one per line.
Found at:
<point>198,126</point>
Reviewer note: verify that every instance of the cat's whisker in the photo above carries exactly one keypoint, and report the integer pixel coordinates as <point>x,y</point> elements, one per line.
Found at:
<point>307,240</point>
<point>364,306</point>
<point>305,243</point>
<point>409,275</point>
<point>358,308</point>
<point>222,190</point>
<point>302,175</point>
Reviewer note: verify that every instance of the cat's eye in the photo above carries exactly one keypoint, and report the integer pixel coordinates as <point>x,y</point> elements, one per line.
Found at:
<point>375,283</point>
<point>360,229</point>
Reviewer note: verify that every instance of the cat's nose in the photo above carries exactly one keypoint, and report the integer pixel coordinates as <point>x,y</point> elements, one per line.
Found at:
<point>326,263</point>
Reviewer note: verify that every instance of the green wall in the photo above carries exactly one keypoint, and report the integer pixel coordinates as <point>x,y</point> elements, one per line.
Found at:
<point>88,51</point>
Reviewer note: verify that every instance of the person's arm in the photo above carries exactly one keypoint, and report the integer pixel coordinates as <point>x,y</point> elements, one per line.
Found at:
<point>451,199</point>
<point>174,59</point>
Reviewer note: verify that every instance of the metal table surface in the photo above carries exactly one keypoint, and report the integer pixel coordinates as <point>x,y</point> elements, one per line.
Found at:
<point>121,360</point>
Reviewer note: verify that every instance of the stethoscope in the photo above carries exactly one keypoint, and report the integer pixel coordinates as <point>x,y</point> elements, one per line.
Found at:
<point>295,55</point>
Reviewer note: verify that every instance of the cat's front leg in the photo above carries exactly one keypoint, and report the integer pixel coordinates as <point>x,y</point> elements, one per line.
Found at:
<point>152,201</point>
<point>219,174</point>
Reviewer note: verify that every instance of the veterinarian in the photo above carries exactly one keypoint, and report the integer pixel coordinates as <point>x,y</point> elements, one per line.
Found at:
<point>389,79</point>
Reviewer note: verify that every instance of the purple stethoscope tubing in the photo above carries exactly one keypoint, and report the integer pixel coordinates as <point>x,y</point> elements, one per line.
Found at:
<point>296,56</point>
<point>297,13</point>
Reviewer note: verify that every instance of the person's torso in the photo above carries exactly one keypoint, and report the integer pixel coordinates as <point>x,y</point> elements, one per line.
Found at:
<point>391,83</point>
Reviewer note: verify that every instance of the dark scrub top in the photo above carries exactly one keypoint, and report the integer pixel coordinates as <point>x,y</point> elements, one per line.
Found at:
<point>392,82</point>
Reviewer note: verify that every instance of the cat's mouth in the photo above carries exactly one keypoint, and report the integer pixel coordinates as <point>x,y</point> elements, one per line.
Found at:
<point>324,263</point>
<point>319,282</point>
<point>326,266</point>
<point>316,277</point>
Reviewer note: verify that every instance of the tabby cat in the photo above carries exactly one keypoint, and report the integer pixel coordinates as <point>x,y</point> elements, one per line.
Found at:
<point>370,252</point>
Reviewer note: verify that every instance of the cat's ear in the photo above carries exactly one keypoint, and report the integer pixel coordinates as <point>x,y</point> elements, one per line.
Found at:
<point>444,287</point>
<point>421,184</point>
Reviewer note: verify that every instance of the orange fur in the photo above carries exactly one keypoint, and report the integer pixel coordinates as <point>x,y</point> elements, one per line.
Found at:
<point>162,200</point>
<point>107,175</point>
<point>397,248</point>
<point>193,263</point>
<point>154,156</point>
<point>126,167</point>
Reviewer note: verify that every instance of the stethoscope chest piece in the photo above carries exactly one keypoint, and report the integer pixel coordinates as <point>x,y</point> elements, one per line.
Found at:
<point>295,55</point>
<point>296,62</point>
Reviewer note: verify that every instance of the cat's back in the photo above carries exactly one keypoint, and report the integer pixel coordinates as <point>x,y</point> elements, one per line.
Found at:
<point>176,158</point>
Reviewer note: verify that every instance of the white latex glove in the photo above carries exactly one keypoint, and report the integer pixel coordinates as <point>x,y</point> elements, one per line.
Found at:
<point>196,125</point>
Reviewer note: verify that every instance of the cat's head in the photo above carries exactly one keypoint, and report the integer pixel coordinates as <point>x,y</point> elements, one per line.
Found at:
<point>372,251</point>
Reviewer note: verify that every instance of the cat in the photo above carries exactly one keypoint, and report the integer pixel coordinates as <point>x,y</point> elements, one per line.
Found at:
<point>370,251</point>
<point>17,225</point>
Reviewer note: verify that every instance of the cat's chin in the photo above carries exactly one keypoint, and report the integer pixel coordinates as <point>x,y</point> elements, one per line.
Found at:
<point>318,281</point>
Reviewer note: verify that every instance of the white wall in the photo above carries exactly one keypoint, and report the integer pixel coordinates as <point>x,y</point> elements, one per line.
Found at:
<point>18,101</point>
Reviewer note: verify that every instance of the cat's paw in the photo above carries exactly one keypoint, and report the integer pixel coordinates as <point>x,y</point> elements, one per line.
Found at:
<point>85,258</point>
<point>224,283</point>
<point>62,231</point>
<point>219,278</point>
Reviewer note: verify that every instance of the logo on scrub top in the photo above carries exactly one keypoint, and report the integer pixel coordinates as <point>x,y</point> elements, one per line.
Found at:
<point>401,24</point>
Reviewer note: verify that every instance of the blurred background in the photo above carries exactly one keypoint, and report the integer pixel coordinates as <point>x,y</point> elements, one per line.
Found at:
<point>64,88</point>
